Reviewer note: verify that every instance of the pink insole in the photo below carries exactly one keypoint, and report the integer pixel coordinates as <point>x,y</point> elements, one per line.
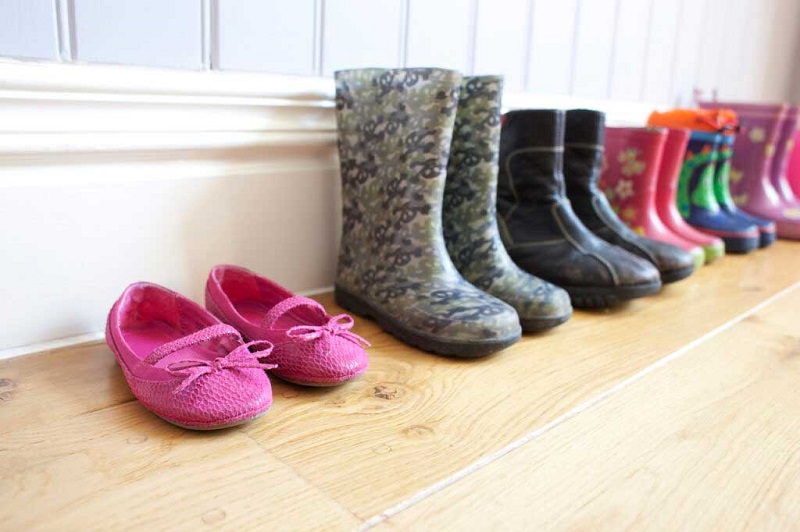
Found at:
<point>145,339</point>
<point>255,312</point>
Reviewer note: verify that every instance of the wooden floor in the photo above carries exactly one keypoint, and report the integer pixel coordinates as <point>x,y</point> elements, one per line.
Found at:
<point>680,411</point>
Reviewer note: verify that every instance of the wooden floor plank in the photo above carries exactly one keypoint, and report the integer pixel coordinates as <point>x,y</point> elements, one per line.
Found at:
<point>710,441</point>
<point>411,421</point>
<point>123,468</point>
<point>38,389</point>
<point>415,418</point>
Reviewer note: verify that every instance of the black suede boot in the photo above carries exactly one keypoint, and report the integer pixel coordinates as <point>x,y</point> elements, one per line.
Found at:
<point>583,155</point>
<point>539,228</point>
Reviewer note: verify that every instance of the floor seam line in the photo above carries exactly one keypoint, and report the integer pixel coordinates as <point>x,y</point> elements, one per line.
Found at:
<point>301,476</point>
<point>586,405</point>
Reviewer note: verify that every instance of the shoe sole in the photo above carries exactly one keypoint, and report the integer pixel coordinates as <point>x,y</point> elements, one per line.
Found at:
<point>713,253</point>
<point>424,341</point>
<point>766,239</point>
<point>534,325</point>
<point>111,342</point>
<point>602,297</point>
<point>318,384</point>
<point>741,245</point>
<point>213,427</point>
<point>673,276</point>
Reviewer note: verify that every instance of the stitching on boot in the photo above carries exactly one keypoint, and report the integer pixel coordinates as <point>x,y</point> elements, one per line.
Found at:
<point>505,234</point>
<point>598,147</point>
<point>538,243</point>
<point>568,237</point>
<point>511,181</point>
<point>610,225</point>
<point>556,149</point>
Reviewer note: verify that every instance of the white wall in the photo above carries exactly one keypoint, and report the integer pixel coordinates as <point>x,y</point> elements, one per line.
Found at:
<point>111,174</point>
<point>645,50</point>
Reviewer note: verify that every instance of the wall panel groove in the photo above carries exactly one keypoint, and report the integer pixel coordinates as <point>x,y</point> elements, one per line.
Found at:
<point>645,50</point>
<point>65,16</point>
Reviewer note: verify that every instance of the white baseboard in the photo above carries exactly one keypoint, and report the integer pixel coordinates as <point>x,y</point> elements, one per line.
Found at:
<point>93,337</point>
<point>110,175</point>
<point>51,345</point>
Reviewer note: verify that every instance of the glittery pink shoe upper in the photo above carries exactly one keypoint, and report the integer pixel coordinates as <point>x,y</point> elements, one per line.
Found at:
<point>183,364</point>
<point>311,347</point>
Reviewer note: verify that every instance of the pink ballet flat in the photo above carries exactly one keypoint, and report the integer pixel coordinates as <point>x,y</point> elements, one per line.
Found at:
<point>311,347</point>
<point>183,364</point>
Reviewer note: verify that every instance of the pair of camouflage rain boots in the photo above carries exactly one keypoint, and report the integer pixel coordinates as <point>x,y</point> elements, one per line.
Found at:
<point>420,250</point>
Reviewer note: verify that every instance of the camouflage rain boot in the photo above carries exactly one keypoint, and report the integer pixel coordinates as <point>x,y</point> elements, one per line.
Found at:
<point>539,228</point>
<point>395,128</point>
<point>470,224</point>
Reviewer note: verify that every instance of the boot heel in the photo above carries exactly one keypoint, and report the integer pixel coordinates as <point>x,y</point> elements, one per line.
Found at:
<point>352,303</point>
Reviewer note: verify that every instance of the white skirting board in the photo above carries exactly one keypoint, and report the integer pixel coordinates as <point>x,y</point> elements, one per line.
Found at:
<point>110,175</point>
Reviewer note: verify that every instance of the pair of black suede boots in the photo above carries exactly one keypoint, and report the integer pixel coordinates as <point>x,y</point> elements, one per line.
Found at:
<point>557,224</point>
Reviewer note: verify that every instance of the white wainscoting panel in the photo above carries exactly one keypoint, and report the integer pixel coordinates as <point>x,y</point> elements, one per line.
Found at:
<point>500,40</point>
<point>731,85</point>
<point>594,48</point>
<point>781,55</point>
<point>552,46</point>
<point>711,46</point>
<point>440,34</point>
<point>692,25</point>
<point>660,59</point>
<point>647,50</point>
<point>83,244</point>
<point>104,184</point>
<point>362,33</point>
<point>630,49</point>
<point>28,29</point>
<point>144,32</point>
<point>266,35</point>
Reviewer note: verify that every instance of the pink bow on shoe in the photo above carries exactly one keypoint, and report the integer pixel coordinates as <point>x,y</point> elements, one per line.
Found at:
<point>339,325</point>
<point>241,357</point>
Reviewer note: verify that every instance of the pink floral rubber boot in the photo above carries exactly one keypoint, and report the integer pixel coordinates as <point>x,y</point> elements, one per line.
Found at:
<point>311,347</point>
<point>183,364</point>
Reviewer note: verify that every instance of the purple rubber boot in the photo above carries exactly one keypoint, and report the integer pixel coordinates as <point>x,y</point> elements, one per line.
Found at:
<point>783,151</point>
<point>753,153</point>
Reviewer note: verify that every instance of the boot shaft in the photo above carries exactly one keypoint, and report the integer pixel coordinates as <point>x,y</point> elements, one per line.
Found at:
<point>754,149</point>
<point>671,162</point>
<point>472,167</point>
<point>793,171</point>
<point>584,138</point>
<point>632,161</point>
<point>394,129</point>
<point>470,196</point>
<point>783,151</point>
<point>696,184</point>
<point>531,158</point>
<point>785,141</point>
<point>722,173</point>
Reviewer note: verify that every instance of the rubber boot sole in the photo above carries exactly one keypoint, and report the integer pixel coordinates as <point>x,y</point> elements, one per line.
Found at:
<point>601,297</point>
<point>534,325</point>
<point>422,340</point>
<point>766,238</point>
<point>741,245</point>
<point>674,276</point>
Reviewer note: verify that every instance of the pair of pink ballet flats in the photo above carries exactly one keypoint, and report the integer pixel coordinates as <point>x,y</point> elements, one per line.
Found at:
<point>205,369</point>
